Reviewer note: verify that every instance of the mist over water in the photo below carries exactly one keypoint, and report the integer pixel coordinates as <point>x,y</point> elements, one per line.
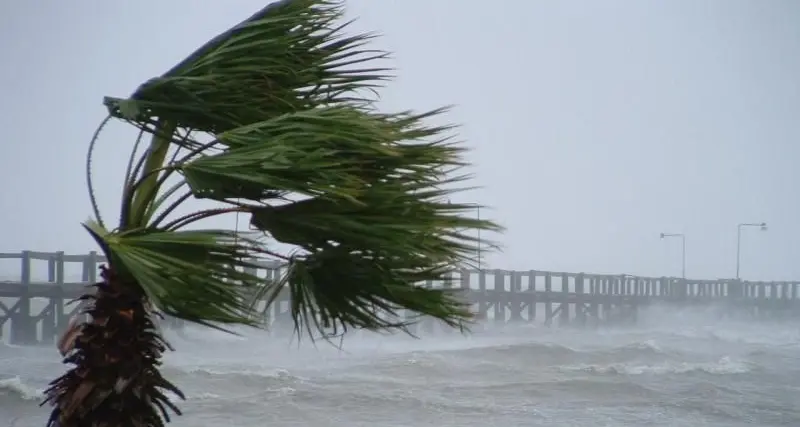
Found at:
<point>676,367</point>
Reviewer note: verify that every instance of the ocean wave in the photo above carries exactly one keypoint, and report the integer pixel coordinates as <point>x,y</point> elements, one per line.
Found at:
<point>557,351</point>
<point>430,400</point>
<point>543,349</point>
<point>650,346</point>
<point>280,374</point>
<point>18,389</point>
<point>544,388</point>
<point>723,366</point>
<point>251,374</point>
<point>194,397</point>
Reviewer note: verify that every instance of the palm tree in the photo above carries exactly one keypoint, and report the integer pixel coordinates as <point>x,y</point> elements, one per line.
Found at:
<point>273,119</point>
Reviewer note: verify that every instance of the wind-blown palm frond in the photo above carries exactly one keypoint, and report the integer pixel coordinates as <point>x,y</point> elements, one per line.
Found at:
<point>368,181</point>
<point>290,56</point>
<point>345,288</point>
<point>329,152</point>
<point>273,119</point>
<point>171,266</point>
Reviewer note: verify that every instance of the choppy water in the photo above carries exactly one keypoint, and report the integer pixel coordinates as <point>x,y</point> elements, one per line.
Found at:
<point>674,369</point>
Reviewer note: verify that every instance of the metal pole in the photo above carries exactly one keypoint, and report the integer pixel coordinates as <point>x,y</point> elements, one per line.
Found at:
<point>683,261</point>
<point>738,248</point>
<point>480,262</point>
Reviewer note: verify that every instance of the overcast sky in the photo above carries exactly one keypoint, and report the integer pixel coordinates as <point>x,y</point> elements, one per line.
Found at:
<point>594,125</point>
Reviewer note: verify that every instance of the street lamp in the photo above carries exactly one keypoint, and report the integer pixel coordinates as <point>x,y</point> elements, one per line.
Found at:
<point>683,249</point>
<point>480,243</point>
<point>761,225</point>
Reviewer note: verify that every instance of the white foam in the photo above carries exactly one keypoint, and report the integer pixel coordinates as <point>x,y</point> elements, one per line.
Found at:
<point>16,386</point>
<point>723,366</point>
<point>279,374</point>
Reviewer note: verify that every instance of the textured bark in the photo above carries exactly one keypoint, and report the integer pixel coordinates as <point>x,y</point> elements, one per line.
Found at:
<point>115,380</point>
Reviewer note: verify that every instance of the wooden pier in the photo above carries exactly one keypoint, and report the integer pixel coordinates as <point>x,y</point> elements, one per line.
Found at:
<point>33,309</point>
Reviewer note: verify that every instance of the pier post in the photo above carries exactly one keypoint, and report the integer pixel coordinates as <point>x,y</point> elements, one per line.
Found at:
<point>532,300</point>
<point>23,326</point>
<point>548,295</point>
<point>580,307</point>
<point>516,293</point>
<point>595,298</point>
<point>483,303</point>
<point>54,321</point>
<point>500,300</point>
<point>607,292</point>
<point>682,289</point>
<point>565,305</point>
<point>664,288</point>
<point>734,291</point>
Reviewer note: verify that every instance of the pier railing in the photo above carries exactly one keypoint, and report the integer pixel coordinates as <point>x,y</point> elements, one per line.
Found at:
<point>32,305</point>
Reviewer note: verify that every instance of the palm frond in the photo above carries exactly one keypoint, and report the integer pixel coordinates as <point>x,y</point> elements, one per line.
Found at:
<point>290,56</point>
<point>331,152</point>
<point>286,99</point>
<point>297,145</point>
<point>385,218</point>
<point>336,289</point>
<point>204,276</point>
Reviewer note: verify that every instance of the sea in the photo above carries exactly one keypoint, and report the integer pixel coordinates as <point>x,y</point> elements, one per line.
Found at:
<point>685,368</point>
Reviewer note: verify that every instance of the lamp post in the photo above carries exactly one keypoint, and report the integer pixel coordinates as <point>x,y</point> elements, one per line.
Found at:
<point>683,249</point>
<point>761,225</point>
<point>480,260</point>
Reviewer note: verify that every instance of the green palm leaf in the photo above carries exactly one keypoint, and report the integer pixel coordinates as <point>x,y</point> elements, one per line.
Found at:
<point>274,120</point>
<point>338,288</point>
<point>290,56</point>
<point>316,169</point>
<point>331,152</point>
<point>203,276</point>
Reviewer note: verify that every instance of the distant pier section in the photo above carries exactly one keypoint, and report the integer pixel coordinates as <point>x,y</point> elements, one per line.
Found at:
<point>34,309</point>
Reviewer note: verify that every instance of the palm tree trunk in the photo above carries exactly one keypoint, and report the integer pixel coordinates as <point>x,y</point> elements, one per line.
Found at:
<point>116,353</point>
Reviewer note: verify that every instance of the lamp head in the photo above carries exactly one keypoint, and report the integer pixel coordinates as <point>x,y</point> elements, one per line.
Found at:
<point>763,226</point>
<point>662,235</point>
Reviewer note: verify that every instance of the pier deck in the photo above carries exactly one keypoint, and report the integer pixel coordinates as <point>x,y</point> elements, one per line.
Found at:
<point>33,309</point>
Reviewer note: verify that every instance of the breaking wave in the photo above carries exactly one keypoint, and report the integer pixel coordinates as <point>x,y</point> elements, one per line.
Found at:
<point>15,388</point>
<point>688,370</point>
<point>723,366</point>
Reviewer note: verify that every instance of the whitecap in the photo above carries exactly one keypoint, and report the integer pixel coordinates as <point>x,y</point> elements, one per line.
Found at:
<point>723,366</point>
<point>16,386</point>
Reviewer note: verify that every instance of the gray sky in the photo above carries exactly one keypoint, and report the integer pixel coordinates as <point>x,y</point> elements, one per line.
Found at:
<point>595,125</point>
